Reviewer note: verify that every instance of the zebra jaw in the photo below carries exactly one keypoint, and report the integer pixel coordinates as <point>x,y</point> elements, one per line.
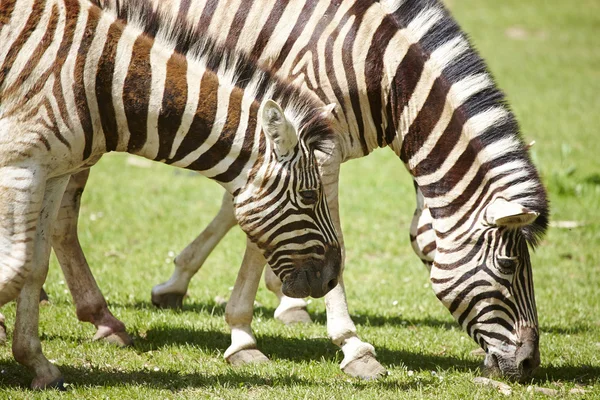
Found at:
<point>510,214</point>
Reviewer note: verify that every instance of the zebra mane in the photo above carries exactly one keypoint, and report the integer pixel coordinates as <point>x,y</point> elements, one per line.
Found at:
<point>232,67</point>
<point>415,14</point>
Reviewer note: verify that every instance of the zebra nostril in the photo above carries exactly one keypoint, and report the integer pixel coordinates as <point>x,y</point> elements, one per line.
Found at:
<point>331,284</point>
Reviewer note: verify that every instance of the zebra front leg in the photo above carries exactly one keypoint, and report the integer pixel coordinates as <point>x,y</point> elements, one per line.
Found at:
<point>89,301</point>
<point>240,308</point>
<point>26,346</point>
<point>359,357</point>
<point>170,294</point>
<point>290,310</point>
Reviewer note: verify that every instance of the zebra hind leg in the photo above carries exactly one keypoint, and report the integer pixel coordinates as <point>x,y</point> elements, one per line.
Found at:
<point>290,310</point>
<point>170,294</point>
<point>89,301</point>
<point>26,345</point>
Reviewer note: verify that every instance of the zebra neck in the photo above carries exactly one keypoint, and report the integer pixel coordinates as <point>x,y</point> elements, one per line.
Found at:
<point>155,103</point>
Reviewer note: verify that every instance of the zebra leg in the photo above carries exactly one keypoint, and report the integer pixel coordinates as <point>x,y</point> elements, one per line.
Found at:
<point>359,357</point>
<point>89,301</point>
<point>240,308</point>
<point>290,310</point>
<point>26,346</point>
<point>170,294</point>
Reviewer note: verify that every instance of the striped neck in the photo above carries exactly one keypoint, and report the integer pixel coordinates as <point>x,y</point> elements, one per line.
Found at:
<point>154,102</point>
<point>452,128</point>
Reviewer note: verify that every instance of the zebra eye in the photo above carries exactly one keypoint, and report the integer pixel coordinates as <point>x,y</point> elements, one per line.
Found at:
<point>506,265</point>
<point>309,196</point>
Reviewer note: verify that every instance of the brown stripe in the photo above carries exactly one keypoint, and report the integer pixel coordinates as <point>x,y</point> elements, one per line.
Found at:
<point>238,165</point>
<point>81,101</point>
<point>184,6</point>
<point>444,145</point>
<point>63,51</point>
<point>104,83</point>
<point>407,76</point>
<point>358,10</point>
<point>203,119</point>
<point>32,21</point>
<point>268,28</point>
<point>222,147</point>
<point>206,17</point>
<point>424,228</point>
<point>37,54</point>
<point>6,9</point>
<point>173,104</point>
<point>428,248</point>
<point>237,24</point>
<point>373,78</point>
<point>53,126</point>
<point>422,126</point>
<point>305,14</point>
<point>136,93</point>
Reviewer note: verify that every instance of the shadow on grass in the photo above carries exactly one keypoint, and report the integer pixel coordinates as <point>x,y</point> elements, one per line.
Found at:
<point>15,376</point>
<point>369,319</point>
<point>296,349</point>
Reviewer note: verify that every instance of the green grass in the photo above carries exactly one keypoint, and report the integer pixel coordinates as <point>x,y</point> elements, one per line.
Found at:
<point>545,55</point>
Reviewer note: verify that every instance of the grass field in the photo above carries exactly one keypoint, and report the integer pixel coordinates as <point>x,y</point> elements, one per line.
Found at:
<point>546,56</point>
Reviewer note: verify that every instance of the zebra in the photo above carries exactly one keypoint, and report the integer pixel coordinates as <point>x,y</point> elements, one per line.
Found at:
<point>406,77</point>
<point>78,80</point>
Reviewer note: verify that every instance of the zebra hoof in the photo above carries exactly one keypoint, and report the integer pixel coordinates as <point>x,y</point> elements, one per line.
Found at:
<point>119,339</point>
<point>42,383</point>
<point>247,356</point>
<point>168,300</point>
<point>295,316</point>
<point>365,367</point>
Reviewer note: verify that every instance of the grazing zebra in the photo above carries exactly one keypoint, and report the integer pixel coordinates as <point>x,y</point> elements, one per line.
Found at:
<point>404,76</point>
<point>78,81</point>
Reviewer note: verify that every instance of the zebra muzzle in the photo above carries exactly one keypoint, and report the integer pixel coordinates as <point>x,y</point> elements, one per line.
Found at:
<point>314,278</point>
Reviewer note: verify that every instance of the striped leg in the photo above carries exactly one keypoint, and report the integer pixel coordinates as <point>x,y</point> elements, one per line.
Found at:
<point>359,357</point>
<point>89,301</point>
<point>26,346</point>
<point>170,294</point>
<point>21,195</point>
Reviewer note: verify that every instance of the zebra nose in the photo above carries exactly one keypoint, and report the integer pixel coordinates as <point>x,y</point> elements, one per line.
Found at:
<point>528,353</point>
<point>528,359</point>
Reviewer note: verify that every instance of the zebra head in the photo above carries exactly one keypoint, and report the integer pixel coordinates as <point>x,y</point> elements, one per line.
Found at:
<point>283,208</point>
<point>487,286</point>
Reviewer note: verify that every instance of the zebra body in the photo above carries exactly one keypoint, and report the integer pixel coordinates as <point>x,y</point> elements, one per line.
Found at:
<point>77,81</point>
<point>405,76</point>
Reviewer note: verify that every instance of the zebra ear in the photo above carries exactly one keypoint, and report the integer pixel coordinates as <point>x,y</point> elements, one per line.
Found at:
<point>505,213</point>
<point>327,111</point>
<point>278,128</point>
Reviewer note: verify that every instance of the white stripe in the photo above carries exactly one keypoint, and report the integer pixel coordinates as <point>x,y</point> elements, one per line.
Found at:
<point>195,71</point>
<point>159,56</point>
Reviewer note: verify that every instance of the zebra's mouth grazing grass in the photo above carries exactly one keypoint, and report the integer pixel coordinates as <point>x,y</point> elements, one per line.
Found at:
<point>495,366</point>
